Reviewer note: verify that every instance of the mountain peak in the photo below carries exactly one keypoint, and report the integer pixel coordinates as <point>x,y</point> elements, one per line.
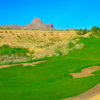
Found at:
<point>36,20</point>
<point>35,24</point>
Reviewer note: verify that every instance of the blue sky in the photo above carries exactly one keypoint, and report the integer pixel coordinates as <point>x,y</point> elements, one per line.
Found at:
<point>62,13</point>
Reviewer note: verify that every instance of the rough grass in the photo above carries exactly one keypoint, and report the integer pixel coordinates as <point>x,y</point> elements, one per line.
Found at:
<point>51,80</point>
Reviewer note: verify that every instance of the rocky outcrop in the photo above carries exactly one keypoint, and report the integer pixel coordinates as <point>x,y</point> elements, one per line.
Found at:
<point>35,24</point>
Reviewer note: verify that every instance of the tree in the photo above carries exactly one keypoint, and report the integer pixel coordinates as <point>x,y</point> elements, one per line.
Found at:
<point>85,31</point>
<point>95,29</point>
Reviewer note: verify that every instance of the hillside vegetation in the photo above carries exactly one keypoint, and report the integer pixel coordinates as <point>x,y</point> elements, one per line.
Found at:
<point>39,44</point>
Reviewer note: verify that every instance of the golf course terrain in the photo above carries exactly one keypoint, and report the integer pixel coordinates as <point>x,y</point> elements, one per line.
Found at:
<point>51,79</point>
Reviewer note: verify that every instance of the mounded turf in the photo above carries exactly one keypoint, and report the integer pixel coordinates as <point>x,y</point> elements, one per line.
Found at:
<point>51,80</point>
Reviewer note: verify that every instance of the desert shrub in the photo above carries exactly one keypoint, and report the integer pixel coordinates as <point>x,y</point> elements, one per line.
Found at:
<point>1,37</point>
<point>19,37</point>
<point>61,30</point>
<point>76,41</point>
<point>51,34</point>
<point>76,37</point>
<point>13,34</point>
<point>78,46</point>
<point>5,46</point>
<point>67,29</point>
<point>8,28</point>
<point>55,54</point>
<point>32,52</point>
<point>59,51</point>
<point>45,45</point>
<point>5,31</point>
<point>44,34</point>
<point>75,30</point>
<point>91,35</point>
<point>82,31</point>
<point>70,44</point>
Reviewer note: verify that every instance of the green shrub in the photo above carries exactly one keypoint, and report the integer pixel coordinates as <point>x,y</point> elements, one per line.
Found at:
<point>79,46</point>
<point>44,34</point>
<point>70,44</point>
<point>67,30</point>
<point>5,46</point>
<point>1,37</point>
<point>55,54</point>
<point>5,31</point>
<point>32,52</point>
<point>59,51</point>
<point>82,31</point>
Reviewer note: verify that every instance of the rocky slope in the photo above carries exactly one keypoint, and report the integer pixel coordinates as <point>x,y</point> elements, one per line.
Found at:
<point>35,24</point>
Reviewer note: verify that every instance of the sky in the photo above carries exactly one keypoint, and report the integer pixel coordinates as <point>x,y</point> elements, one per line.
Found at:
<point>63,14</point>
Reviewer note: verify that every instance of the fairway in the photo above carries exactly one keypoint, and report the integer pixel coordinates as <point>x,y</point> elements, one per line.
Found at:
<point>50,80</point>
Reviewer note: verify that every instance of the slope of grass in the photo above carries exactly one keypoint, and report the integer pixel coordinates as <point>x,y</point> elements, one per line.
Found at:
<point>51,80</point>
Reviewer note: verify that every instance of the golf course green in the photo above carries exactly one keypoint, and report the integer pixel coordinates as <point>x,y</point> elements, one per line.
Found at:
<point>50,80</point>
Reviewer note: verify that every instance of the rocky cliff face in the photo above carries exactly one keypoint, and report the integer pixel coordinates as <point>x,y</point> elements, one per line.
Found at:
<point>35,24</point>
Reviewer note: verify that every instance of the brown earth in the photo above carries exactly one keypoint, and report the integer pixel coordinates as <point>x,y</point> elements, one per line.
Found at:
<point>85,72</point>
<point>24,64</point>
<point>93,94</point>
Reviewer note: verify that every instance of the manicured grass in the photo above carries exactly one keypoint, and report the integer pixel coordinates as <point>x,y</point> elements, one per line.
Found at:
<point>51,80</point>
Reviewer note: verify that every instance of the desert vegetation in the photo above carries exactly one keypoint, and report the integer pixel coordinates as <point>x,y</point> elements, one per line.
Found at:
<point>39,44</point>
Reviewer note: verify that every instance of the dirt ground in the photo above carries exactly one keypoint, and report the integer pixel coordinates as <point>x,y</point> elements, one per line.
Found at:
<point>24,64</point>
<point>93,94</point>
<point>85,72</point>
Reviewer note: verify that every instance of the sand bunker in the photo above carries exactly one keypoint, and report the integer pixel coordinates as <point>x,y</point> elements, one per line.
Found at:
<point>24,64</point>
<point>32,64</point>
<point>85,72</point>
<point>93,94</point>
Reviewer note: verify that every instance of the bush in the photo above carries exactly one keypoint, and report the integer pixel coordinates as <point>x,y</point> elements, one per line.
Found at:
<point>67,29</point>
<point>5,46</point>
<point>79,46</point>
<point>70,44</point>
<point>59,51</point>
<point>32,52</point>
<point>55,54</point>
<point>82,31</point>
<point>5,31</point>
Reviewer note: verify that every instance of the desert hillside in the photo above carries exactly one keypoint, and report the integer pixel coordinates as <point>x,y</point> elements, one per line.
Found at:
<point>33,39</point>
<point>39,43</point>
